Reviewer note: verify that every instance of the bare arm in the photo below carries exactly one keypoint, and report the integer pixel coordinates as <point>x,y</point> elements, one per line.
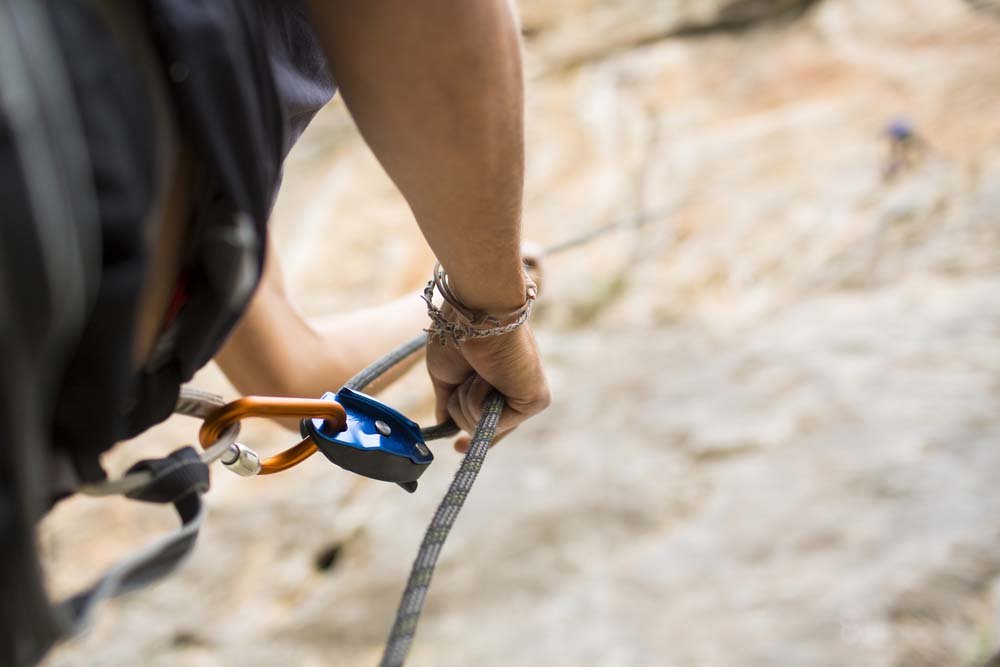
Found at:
<point>275,351</point>
<point>436,89</point>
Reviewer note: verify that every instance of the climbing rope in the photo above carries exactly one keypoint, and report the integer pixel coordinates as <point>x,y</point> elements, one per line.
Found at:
<point>181,479</point>
<point>613,226</point>
<point>383,364</point>
<point>419,581</point>
<point>411,604</point>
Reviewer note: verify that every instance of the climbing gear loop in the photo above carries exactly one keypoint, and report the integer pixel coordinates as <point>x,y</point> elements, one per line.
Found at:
<point>193,403</point>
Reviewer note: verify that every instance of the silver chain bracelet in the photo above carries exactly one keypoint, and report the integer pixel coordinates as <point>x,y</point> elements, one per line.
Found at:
<point>469,323</point>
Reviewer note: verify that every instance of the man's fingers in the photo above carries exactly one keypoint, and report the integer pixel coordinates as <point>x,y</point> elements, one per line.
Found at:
<point>517,411</point>
<point>465,404</point>
<point>456,411</point>
<point>466,408</point>
<point>442,394</point>
<point>473,394</point>
<point>448,371</point>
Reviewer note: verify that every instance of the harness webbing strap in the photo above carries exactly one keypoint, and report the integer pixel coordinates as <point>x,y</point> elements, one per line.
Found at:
<point>191,402</point>
<point>408,614</point>
<point>180,478</point>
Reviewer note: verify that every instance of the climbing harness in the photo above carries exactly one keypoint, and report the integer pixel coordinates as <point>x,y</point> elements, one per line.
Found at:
<point>353,430</point>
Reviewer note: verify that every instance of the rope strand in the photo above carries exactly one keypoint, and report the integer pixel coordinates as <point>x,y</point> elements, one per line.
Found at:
<point>412,602</point>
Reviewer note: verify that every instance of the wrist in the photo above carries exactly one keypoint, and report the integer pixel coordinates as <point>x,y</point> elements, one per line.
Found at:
<point>496,290</point>
<point>457,321</point>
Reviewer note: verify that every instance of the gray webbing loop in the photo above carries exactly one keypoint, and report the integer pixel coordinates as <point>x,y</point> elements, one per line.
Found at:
<point>180,478</point>
<point>412,602</point>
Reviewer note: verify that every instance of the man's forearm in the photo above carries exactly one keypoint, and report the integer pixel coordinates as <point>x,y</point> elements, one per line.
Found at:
<point>436,90</point>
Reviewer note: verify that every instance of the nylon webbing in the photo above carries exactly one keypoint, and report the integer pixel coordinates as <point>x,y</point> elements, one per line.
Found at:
<point>193,403</point>
<point>180,478</point>
<point>152,563</point>
<point>408,614</point>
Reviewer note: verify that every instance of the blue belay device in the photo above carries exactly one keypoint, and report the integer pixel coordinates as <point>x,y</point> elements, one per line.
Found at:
<point>379,442</point>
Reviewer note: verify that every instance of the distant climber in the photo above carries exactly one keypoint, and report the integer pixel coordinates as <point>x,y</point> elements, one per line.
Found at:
<point>905,146</point>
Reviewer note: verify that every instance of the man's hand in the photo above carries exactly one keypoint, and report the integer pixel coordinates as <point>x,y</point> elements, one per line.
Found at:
<point>463,376</point>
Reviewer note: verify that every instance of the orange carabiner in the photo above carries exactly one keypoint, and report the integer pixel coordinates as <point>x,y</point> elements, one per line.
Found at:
<point>273,406</point>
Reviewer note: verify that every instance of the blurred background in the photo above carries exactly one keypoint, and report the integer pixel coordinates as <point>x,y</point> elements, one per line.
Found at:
<point>774,435</point>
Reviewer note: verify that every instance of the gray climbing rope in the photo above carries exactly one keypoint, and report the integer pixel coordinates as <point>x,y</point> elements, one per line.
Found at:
<point>381,365</point>
<point>412,602</point>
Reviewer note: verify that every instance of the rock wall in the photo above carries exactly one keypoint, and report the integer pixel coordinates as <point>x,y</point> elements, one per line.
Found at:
<point>774,434</point>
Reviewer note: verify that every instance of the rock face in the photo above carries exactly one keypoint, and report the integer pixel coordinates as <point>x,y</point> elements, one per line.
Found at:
<point>774,433</point>
<point>568,34</point>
